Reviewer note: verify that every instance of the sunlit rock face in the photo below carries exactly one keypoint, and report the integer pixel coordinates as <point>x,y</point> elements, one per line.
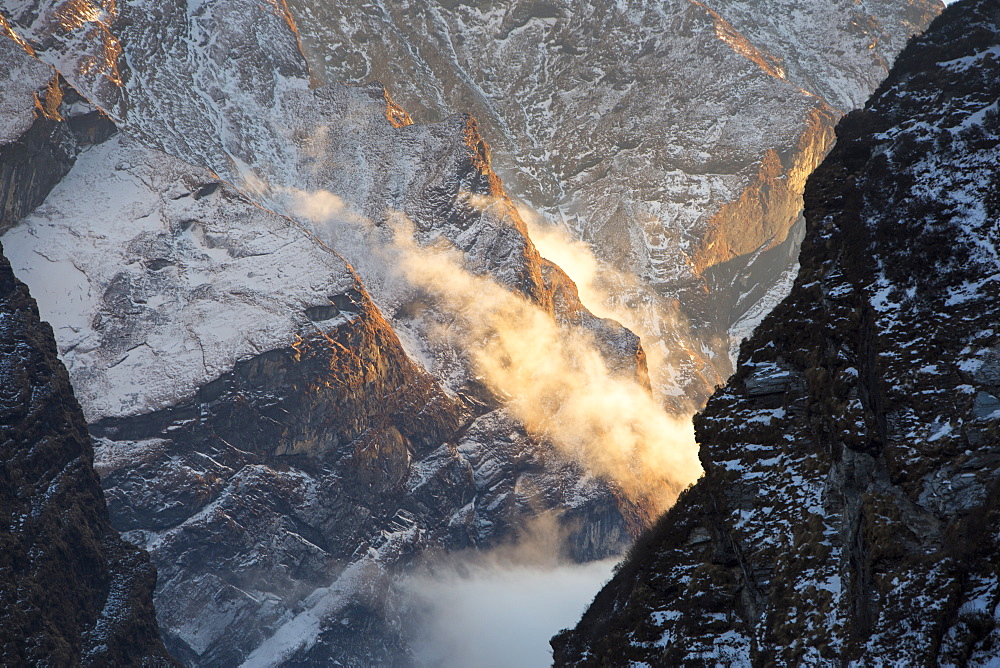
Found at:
<point>849,507</point>
<point>673,137</point>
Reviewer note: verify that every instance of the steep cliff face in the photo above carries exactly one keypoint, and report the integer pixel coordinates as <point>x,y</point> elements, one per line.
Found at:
<point>849,506</point>
<point>673,137</point>
<point>72,591</point>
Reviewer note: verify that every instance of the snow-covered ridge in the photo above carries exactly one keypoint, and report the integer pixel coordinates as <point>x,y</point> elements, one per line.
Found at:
<point>157,277</point>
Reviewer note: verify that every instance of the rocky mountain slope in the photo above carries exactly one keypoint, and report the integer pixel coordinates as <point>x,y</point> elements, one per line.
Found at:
<point>849,507</point>
<point>72,591</point>
<point>312,338</point>
<point>261,429</point>
<point>343,161</point>
<point>674,138</point>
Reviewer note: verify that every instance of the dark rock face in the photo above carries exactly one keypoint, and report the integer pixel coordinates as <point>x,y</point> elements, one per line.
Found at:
<point>71,590</point>
<point>31,166</point>
<point>849,510</point>
<point>36,147</point>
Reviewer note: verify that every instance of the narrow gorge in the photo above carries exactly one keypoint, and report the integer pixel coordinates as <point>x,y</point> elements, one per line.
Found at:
<point>327,332</point>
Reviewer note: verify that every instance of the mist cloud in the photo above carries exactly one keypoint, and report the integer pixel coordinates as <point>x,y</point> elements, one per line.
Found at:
<point>609,292</point>
<point>553,378</point>
<point>497,618</point>
<point>499,608</point>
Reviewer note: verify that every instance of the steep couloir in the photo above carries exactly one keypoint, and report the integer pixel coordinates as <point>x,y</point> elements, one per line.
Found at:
<point>849,509</point>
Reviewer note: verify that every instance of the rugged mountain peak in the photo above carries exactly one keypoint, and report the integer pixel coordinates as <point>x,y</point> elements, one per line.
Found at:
<point>673,138</point>
<point>849,506</point>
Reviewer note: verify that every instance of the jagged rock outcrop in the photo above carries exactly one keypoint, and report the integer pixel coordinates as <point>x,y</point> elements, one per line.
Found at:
<point>849,509</point>
<point>71,590</point>
<point>673,137</point>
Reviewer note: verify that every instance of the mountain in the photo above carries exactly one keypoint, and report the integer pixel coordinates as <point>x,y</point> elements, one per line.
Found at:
<point>848,511</point>
<point>72,592</point>
<point>261,428</point>
<point>313,340</point>
<point>673,138</point>
<point>256,481</point>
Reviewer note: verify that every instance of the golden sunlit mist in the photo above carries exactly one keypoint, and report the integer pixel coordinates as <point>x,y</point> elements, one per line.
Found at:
<point>553,378</point>
<point>608,292</point>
